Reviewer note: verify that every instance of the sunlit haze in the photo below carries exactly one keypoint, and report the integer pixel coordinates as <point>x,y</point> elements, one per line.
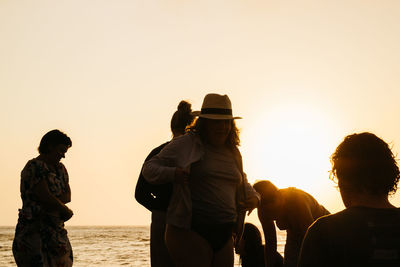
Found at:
<point>110,74</point>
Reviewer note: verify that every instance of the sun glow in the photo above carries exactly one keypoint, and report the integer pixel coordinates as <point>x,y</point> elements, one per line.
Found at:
<point>290,146</point>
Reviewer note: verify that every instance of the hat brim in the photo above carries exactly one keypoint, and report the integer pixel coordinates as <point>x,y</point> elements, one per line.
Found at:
<point>214,116</point>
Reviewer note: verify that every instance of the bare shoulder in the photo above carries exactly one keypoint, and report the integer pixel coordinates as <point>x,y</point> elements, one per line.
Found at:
<point>294,198</point>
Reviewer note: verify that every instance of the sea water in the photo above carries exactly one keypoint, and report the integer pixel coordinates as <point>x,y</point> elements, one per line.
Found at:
<point>103,246</point>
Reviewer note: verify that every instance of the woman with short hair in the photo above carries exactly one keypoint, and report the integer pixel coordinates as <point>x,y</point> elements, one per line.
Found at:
<point>40,237</point>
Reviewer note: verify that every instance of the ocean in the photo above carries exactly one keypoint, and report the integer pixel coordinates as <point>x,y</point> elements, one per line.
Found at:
<point>103,246</point>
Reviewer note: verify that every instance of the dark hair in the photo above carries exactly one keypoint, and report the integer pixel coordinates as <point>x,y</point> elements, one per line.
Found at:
<point>182,117</point>
<point>251,236</point>
<point>364,162</point>
<point>253,251</point>
<point>267,190</point>
<point>52,139</point>
<point>233,140</point>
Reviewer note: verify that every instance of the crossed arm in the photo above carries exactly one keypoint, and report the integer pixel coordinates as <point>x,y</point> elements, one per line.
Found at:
<point>52,203</point>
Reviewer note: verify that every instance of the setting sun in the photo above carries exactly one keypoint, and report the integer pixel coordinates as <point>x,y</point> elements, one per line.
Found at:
<point>292,147</point>
<point>302,74</point>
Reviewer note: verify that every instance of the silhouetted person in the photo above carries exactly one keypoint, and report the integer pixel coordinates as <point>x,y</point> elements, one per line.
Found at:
<point>40,237</point>
<point>156,197</point>
<point>293,210</point>
<point>204,166</point>
<point>251,249</point>
<point>367,232</point>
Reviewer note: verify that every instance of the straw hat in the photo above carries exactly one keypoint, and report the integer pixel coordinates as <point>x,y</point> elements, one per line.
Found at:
<point>216,107</point>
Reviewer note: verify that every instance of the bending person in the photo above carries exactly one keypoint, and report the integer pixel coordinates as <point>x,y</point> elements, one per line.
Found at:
<point>293,210</point>
<point>40,237</point>
<point>156,198</point>
<point>205,169</point>
<point>366,233</point>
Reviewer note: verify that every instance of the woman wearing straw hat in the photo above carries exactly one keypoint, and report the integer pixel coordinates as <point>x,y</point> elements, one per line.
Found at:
<point>205,168</point>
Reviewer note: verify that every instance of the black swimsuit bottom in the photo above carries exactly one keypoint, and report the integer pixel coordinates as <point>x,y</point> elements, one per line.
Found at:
<point>216,234</point>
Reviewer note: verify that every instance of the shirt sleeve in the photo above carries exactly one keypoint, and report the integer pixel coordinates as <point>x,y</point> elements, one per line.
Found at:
<point>32,174</point>
<point>143,193</point>
<point>249,190</point>
<point>160,169</point>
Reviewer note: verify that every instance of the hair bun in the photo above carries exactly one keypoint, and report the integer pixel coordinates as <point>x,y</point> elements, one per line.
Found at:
<point>184,107</point>
<point>182,117</point>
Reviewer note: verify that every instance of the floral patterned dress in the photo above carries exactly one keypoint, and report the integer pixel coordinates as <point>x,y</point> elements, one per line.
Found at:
<point>40,237</point>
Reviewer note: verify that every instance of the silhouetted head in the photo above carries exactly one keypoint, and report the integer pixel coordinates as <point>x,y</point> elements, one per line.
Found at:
<point>271,200</point>
<point>251,237</point>
<point>215,122</point>
<point>54,145</point>
<point>250,245</point>
<point>267,190</point>
<point>217,131</point>
<point>365,163</point>
<point>181,118</point>
<point>51,139</point>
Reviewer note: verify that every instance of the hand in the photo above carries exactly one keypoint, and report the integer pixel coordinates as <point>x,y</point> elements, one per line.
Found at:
<point>251,203</point>
<point>66,214</point>
<point>181,176</point>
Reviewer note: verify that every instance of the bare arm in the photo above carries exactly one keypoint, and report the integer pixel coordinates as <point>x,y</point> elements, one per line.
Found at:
<point>269,230</point>
<point>161,168</point>
<point>251,203</point>
<point>49,202</point>
<point>66,196</point>
<point>253,198</point>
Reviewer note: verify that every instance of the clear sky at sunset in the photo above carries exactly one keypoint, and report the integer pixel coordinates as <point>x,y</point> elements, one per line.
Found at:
<point>302,74</point>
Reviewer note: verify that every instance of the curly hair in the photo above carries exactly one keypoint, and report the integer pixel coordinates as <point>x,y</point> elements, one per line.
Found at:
<point>51,139</point>
<point>364,162</point>
<point>233,140</point>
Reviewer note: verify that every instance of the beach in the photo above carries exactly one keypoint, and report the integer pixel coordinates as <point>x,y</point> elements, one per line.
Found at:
<point>103,246</point>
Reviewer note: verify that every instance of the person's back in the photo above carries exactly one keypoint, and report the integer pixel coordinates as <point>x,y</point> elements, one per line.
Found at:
<point>300,209</point>
<point>291,217</point>
<point>357,236</point>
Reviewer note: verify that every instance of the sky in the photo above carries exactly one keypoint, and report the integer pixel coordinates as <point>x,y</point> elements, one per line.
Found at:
<point>302,74</point>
